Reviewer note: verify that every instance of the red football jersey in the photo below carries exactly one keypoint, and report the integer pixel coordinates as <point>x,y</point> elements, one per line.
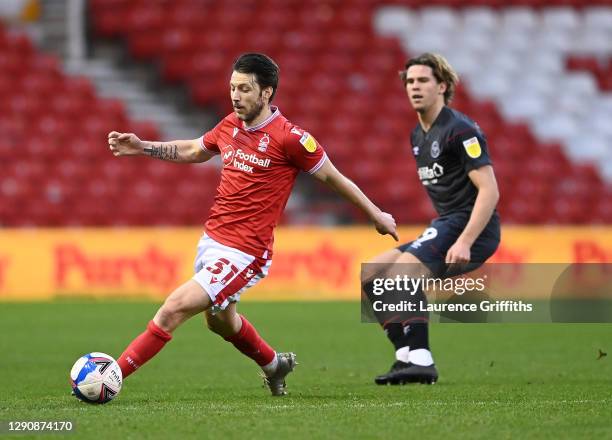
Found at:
<point>260,165</point>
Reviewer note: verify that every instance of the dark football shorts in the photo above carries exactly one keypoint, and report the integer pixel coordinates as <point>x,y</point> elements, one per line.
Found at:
<point>433,244</point>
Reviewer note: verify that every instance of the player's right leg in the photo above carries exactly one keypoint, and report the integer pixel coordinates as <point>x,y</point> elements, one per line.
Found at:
<point>379,264</point>
<point>225,323</point>
<point>185,302</point>
<point>238,331</point>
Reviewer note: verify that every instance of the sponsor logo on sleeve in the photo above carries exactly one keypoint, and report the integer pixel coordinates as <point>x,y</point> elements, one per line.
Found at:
<point>308,142</point>
<point>472,147</point>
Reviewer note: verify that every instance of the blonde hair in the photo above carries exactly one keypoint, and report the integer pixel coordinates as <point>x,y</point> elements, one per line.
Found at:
<point>442,71</point>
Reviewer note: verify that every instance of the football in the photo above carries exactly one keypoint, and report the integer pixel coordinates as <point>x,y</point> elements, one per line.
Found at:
<point>96,378</point>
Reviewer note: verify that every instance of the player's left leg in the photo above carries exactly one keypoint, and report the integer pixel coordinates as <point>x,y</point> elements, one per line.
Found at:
<point>184,302</point>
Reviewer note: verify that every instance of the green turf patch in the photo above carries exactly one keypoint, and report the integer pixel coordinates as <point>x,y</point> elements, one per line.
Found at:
<point>496,380</point>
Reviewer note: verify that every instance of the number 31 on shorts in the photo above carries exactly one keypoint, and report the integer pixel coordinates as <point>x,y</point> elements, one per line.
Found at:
<point>222,271</point>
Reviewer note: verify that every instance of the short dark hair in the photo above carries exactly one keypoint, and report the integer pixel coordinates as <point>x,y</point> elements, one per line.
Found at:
<point>264,68</point>
<point>442,71</point>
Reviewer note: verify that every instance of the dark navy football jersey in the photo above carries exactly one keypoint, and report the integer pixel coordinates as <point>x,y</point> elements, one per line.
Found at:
<point>453,146</point>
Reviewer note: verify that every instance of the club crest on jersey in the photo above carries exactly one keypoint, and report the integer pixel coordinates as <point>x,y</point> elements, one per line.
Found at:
<point>435,149</point>
<point>235,132</point>
<point>472,147</point>
<point>308,142</point>
<point>415,151</point>
<point>263,143</point>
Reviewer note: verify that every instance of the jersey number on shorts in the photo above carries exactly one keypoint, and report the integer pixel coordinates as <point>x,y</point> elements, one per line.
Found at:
<point>428,234</point>
<point>222,271</point>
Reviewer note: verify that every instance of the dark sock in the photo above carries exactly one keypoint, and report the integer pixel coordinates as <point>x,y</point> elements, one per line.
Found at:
<point>395,333</point>
<point>410,329</point>
<point>413,332</point>
<point>416,330</point>
<point>416,335</point>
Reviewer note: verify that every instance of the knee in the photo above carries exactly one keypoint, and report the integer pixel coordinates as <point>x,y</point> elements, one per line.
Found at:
<point>171,310</point>
<point>223,328</point>
<point>213,323</point>
<point>173,305</point>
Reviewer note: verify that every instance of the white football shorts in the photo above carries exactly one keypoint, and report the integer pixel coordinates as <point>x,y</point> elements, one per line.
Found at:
<point>224,272</point>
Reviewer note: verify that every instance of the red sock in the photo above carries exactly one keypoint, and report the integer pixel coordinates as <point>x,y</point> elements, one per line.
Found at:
<point>248,341</point>
<point>143,348</point>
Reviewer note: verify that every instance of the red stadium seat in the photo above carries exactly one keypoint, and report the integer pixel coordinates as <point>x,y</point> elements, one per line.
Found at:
<point>54,141</point>
<point>79,87</point>
<point>26,105</point>
<point>67,106</point>
<point>12,64</point>
<point>104,17</point>
<point>340,81</point>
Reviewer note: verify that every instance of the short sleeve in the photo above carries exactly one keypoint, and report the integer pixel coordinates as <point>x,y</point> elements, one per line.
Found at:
<point>471,145</point>
<point>303,150</point>
<point>209,140</point>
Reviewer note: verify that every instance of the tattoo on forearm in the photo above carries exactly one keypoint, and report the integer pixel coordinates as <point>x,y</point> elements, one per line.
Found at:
<point>164,152</point>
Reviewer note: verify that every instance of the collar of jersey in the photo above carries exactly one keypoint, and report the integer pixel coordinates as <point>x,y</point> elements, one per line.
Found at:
<point>440,119</point>
<point>275,113</point>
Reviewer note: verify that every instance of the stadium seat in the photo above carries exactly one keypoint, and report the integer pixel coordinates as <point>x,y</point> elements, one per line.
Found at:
<point>346,58</point>
<point>54,139</point>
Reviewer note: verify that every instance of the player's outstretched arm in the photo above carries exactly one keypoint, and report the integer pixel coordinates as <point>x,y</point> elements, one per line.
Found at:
<point>384,222</point>
<point>186,151</point>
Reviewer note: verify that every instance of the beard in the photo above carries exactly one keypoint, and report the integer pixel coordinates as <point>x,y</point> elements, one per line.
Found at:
<point>256,111</point>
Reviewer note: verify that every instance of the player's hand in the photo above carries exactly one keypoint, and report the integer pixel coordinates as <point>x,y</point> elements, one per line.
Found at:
<point>385,224</point>
<point>459,253</point>
<point>124,144</point>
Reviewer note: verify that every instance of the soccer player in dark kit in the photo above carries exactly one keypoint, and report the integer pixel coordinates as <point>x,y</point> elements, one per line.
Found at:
<point>453,165</point>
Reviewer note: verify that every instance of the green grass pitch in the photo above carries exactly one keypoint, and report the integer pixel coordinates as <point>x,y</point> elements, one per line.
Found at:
<point>496,380</point>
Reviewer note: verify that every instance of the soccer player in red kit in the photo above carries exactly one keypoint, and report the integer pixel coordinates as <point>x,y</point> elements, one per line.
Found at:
<point>262,153</point>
